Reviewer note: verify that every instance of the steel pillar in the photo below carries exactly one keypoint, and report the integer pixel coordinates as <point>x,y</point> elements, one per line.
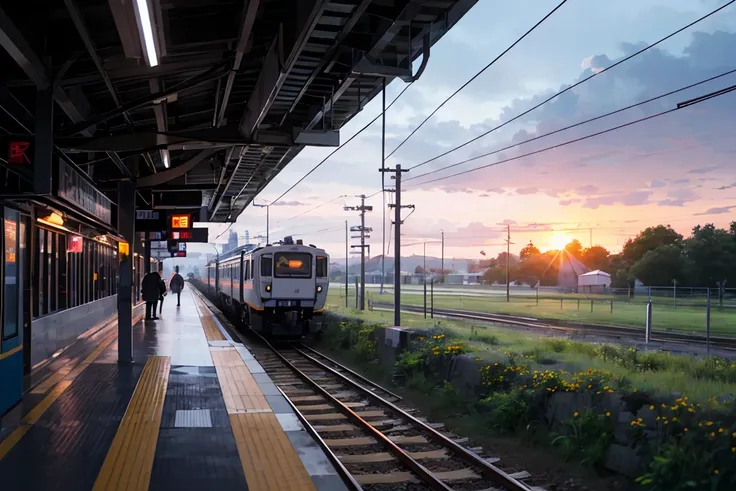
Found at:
<point>126,228</point>
<point>147,254</point>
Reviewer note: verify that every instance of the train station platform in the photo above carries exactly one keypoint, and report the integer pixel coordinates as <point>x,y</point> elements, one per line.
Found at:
<point>193,411</point>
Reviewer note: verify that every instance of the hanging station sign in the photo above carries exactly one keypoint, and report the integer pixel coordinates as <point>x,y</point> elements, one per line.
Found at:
<point>81,193</point>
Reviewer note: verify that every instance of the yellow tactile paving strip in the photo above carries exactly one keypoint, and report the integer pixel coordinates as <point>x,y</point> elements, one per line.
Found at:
<point>269,460</point>
<point>208,322</point>
<point>239,388</point>
<point>129,460</point>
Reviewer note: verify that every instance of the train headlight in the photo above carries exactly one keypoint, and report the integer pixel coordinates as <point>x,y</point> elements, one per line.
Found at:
<point>319,288</point>
<point>268,288</point>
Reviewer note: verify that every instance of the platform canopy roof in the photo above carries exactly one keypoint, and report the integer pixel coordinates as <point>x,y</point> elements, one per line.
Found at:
<point>238,89</point>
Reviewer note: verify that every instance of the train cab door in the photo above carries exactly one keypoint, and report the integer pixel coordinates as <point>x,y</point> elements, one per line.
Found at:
<point>12,316</point>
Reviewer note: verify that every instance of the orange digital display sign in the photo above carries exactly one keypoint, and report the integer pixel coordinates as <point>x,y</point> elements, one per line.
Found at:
<point>180,221</point>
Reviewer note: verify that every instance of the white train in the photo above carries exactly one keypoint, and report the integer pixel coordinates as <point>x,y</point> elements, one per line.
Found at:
<point>276,290</point>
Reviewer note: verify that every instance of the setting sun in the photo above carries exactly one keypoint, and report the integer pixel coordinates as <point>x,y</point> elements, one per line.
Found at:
<point>558,241</point>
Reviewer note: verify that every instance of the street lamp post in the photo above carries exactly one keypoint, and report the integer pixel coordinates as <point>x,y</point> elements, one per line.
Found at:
<point>268,208</point>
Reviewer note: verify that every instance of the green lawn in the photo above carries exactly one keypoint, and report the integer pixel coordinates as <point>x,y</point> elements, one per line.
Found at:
<point>576,308</point>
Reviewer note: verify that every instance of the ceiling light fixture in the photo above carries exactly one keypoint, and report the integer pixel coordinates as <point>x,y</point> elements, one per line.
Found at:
<point>165,158</point>
<point>145,25</point>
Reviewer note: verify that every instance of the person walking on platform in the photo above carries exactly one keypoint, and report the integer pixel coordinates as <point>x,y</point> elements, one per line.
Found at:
<point>176,285</point>
<point>151,290</point>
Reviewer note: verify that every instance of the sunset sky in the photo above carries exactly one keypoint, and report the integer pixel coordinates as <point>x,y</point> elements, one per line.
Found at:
<point>677,169</point>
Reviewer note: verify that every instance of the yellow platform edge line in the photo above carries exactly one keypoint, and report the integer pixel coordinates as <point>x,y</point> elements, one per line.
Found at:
<point>269,460</point>
<point>129,460</point>
<point>211,331</point>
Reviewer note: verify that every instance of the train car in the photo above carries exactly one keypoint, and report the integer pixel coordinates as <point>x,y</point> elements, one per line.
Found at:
<point>278,290</point>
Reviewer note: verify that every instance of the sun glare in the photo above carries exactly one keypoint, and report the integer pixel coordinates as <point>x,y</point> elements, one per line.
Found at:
<point>558,241</point>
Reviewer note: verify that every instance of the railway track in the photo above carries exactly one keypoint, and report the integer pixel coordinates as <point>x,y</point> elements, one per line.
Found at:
<point>602,330</point>
<point>372,438</point>
<point>378,444</point>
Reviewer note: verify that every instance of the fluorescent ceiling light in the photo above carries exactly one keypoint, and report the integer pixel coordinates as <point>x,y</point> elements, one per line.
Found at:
<point>146,26</point>
<point>165,158</point>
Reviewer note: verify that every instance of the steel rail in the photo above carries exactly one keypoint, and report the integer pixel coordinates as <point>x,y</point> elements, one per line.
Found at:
<point>351,372</point>
<point>490,471</point>
<point>424,474</point>
<point>345,474</point>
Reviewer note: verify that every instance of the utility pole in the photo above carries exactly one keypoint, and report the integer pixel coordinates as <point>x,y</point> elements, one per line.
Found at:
<point>347,264</point>
<point>363,230</point>
<point>383,188</point>
<point>268,211</point>
<point>397,242</point>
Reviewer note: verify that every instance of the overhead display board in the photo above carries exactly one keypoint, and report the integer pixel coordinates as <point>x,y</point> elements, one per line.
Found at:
<point>150,220</point>
<point>180,221</point>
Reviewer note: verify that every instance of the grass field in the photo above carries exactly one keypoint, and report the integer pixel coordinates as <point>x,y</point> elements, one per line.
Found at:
<point>682,374</point>
<point>576,308</point>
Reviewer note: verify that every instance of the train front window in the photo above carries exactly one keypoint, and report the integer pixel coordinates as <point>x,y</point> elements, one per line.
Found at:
<point>266,266</point>
<point>321,267</point>
<point>292,265</point>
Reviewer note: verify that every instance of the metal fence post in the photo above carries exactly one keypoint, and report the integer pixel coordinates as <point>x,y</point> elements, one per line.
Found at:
<point>431,298</point>
<point>591,305</point>
<point>425,297</point>
<point>707,324</point>
<point>648,332</point>
<point>612,306</point>
<point>560,303</point>
<point>537,294</point>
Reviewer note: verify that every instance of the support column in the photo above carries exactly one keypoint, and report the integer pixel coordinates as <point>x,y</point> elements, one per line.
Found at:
<point>126,228</point>
<point>147,254</point>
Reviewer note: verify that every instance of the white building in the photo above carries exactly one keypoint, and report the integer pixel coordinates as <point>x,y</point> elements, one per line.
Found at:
<point>594,281</point>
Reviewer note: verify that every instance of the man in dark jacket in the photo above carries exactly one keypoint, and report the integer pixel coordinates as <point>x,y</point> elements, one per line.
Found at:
<point>151,290</point>
<point>176,285</point>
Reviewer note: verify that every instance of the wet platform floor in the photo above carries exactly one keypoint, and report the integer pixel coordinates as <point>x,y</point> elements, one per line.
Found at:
<point>73,431</point>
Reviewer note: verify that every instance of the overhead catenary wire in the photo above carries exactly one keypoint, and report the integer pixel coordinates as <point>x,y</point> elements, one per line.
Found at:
<point>319,164</point>
<point>576,84</point>
<point>478,74</point>
<point>582,138</point>
<point>581,123</point>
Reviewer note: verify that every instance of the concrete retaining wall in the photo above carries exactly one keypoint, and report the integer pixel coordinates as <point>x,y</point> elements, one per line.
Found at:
<point>56,331</point>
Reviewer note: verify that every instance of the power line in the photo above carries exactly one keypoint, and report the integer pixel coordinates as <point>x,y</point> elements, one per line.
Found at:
<point>312,209</point>
<point>623,60</point>
<point>586,137</point>
<point>341,146</point>
<point>478,75</point>
<point>581,123</point>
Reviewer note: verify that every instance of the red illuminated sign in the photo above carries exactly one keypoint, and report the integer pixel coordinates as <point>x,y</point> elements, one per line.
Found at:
<point>75,244</point>
<point>180,221</point>
<point>182,235</point>
<point>17,153</point>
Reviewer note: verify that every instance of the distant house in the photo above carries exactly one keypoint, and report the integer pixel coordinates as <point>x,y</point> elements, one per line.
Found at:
<point>464,278</point>
<point>594,282</point>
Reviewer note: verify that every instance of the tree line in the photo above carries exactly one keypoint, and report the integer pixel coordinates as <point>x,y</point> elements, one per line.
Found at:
<point>657,256</point>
